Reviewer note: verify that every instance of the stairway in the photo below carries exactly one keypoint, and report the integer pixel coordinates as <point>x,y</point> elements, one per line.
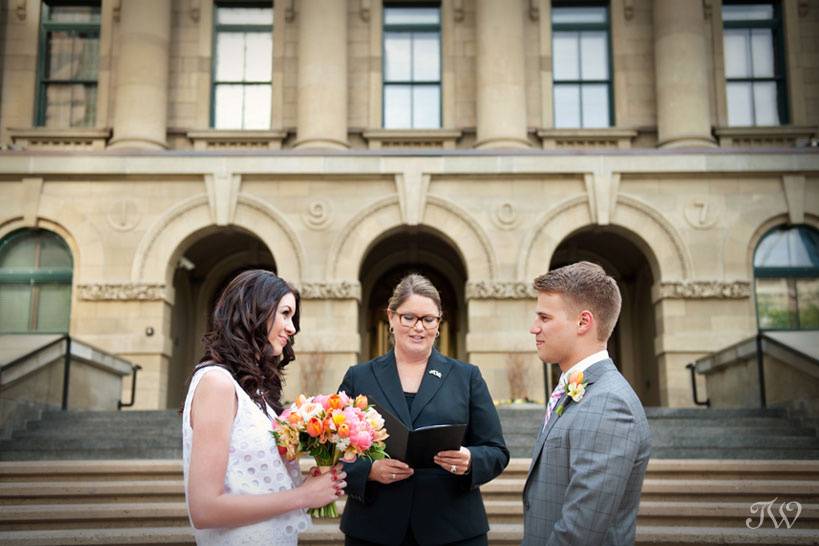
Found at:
<point>693,433</point>
<point>140,502</point>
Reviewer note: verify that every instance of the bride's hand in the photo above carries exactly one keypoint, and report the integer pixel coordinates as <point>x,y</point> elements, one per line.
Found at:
<point>389,471</point>
<point>322,489</point>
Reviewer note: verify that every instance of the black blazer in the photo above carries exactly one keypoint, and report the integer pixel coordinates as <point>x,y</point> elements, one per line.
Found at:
<point>439,507</point>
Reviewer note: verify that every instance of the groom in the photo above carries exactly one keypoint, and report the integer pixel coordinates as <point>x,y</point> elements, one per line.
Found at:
<point>590,457</point>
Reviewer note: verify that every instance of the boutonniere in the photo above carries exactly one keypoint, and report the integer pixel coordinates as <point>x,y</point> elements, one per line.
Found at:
<point>436,373</point>
<point>575,389</point>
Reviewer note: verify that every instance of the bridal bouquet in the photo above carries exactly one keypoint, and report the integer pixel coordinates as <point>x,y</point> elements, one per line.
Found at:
<point>330,428</point>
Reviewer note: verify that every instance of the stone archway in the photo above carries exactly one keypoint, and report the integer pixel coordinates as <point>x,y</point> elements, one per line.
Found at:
<point>632,343</point>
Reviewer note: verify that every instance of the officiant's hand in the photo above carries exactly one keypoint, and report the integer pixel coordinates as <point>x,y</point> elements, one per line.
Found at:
<point>389,471</point>
<point>456,462</point>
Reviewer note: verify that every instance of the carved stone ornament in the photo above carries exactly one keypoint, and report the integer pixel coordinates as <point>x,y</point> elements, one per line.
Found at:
<point>500,290</point>
<point>701,213</point>
<point>505,216</point>
<point>698,290</point>
<point>318,215</point>
<point>195,10</point>
<point>121,292</point>
<point>364,10</point>
<point>628,9</point>
<point>123,215</point>
<point>330,290</point>
<point>20,9</point>
<point>458,10</point>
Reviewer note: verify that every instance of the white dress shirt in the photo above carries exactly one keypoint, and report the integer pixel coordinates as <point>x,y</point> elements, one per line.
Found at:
<point>584,364</point>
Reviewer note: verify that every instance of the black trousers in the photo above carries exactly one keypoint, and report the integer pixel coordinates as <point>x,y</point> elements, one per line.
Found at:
<point>409,540</point>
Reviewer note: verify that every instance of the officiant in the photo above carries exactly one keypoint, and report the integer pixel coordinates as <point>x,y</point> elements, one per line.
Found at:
<point>389,502</point>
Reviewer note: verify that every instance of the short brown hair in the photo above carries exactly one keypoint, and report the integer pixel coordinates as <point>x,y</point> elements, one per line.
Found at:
<point>414,284</point>
<point>587,286</point>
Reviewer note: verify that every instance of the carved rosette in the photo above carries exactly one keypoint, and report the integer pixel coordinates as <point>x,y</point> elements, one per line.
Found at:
<point>121,292</point>
<point>500,290</point>
<point>699,290</point>
<point>330,290</point>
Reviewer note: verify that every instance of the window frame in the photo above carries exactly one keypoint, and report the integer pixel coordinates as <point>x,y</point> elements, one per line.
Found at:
<point>217,27</point>
<point>46,27</point>
<point>789,274</point>
<point>580,27</point>
<point>411,83</point>
<point>35,277</point>
<point>780,77</point>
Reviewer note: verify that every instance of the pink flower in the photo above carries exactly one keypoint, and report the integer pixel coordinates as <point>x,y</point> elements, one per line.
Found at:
<point>361,440</point>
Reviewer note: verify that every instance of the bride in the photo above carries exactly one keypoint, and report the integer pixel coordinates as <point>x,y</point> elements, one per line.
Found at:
<point>238,489</point>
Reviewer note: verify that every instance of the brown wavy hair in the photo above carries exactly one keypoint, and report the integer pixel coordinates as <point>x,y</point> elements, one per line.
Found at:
<point>238,338</point>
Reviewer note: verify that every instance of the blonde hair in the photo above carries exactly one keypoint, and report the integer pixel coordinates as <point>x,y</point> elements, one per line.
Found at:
<point>586,286</point>
<point>414,284</point>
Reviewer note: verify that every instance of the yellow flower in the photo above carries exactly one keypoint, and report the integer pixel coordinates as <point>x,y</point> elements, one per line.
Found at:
<point>576,391</point>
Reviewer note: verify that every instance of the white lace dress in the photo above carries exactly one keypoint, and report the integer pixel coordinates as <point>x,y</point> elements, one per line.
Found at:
<point>254,467</point>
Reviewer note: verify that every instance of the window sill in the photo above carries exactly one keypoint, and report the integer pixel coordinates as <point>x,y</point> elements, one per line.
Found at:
<point>606,137</point>
<point>411,138</point>
<point>52,138</point>
<point>788,136</point>
<point>219,139</point>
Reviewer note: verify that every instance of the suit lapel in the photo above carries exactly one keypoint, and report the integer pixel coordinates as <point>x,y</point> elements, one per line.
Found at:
<point>431,382</point>
<point>386,374</point>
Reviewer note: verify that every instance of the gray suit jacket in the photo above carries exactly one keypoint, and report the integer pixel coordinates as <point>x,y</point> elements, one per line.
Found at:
<point>588,465</point>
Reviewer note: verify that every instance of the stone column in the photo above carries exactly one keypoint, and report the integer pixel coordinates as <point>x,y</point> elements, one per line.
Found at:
<point>141,94</point>
<point>681,70</point>
<point>501,84</point>
<point>322,74</point>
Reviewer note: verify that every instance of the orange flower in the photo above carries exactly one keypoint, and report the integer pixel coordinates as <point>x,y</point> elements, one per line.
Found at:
<point>294,419</point>
<point>344,430</point>
<point>314,427</point>
<point>576,378</point>
<point>361,402</point>
<point>334,401</point>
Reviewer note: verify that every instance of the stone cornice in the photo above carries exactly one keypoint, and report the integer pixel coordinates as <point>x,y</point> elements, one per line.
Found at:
<point>121,292</point>
<point>330,290</point>
<point>700,290</point>
<point>500,290</point>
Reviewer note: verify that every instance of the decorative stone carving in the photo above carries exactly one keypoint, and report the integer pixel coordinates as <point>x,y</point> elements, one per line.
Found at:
<point>505,215</point>
<point>501,290</point>
<point>701,213</point>
<point>534,10</point>
<point>117,10</point>
<point>195,10</point>
<point>20,9</point>
<point>698,290</point>
<point>343,290</point>
<point>628,9</point>
<point>123,215</point>
<point>707,8</point>
<point>290,11</point>
<point>458,10</point>
<point>318,215</point>
<point>122,292</point>
<point>364,10</point>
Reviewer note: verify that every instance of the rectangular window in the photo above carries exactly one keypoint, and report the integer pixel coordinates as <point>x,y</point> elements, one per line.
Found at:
<point>754,64</point>
<point>412,66</point>
<point>68,64</point>
<point>581,66</point>
<point>242,65</point>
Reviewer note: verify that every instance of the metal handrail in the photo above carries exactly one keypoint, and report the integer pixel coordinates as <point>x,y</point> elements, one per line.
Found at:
<point>120,403</point>
<point>692,368</point>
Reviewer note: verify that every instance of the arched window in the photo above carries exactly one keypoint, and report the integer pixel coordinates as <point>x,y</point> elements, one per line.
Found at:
<point>786,270</point>
<point>35,282</point>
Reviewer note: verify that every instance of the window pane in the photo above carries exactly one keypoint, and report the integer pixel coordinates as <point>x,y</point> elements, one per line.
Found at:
<point>765,106</point>
<point>578,15</point>
<point>397,56</point>
<point>565,55</point>
<point>258,56</point>
<point>244,16</point>
<point>15,301</point>
<point>594,55</point>
<point>736,53</point>
<point>257,107</point>
<point>19,253</point>
<point>762,53</point>
<point>426,107</point>
<point>426,56</point>
<point>788,247</point>
<point>230,56</point>
<point>411,16</point>
<point>739,104</point>
<point>747,12</point>
<point>397,107</point>
<point>53,308</point>
<point>73,14</point>
<point>567,106</point>
<point>807,295</point>
<point>54,253</point>
<point>70,105</point>
<point>774,304</point>
<point>72,56</point>
<point>228,107</point>
<point>595,100</point>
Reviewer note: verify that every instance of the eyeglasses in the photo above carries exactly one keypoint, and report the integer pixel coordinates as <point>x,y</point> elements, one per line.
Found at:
<point>408,320</point>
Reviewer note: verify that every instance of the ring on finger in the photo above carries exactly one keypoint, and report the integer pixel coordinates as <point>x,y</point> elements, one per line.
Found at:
<point>393,475</point>
<point>453,468</point>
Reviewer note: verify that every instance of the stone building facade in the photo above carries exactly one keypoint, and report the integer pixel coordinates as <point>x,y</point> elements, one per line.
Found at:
<point>159,206</point>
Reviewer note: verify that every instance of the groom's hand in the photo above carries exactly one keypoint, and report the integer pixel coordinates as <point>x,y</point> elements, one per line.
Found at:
<point>456,462</point>
<point>389,471</point>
